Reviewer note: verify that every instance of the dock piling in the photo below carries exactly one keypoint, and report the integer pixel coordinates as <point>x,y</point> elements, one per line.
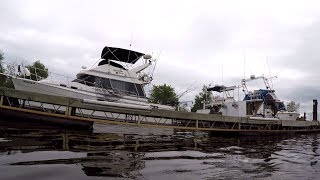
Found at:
<point>315,110</point>
<point>1,100</point>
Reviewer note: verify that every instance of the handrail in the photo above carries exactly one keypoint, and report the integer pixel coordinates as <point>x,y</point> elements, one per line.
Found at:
<point>67,78</point>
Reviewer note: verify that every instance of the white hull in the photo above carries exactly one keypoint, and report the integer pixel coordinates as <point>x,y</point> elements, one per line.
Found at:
<point>52,89</point>
<point>288,115</point>
<point>238,109</point>
<point>262,118</point>
<point>35,86</point>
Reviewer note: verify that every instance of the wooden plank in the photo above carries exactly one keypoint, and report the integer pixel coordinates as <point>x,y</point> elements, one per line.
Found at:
<point>299,123</point>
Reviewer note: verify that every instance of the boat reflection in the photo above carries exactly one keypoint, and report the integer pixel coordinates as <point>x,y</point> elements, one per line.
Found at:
<point>124,155</point>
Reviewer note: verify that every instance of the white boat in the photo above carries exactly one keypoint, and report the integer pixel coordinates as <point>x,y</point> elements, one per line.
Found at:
<point>260,104</point>
<point>110,81</point>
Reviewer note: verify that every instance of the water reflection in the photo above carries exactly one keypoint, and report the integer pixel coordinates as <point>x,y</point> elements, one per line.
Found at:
<point>159,156</point>
<point>315,148</point>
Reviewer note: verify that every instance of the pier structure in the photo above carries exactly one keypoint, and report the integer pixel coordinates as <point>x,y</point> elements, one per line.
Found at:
<point>72,112</point>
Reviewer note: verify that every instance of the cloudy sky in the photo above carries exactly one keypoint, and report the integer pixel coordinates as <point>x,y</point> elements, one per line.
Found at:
<point>199,42</point>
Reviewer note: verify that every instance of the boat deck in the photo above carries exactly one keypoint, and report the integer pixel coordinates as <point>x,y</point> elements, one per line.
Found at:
<point>71,112</point>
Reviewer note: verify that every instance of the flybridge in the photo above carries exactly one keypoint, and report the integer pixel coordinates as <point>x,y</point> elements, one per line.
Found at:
<point>119,54</point>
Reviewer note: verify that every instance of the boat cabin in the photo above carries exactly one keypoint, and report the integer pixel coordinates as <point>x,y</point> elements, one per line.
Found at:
<point>111,84</point>
<point>259,103</point>
<point>112,76</point>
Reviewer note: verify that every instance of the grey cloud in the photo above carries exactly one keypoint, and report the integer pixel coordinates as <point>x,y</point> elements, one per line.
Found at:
<point>306,55</point>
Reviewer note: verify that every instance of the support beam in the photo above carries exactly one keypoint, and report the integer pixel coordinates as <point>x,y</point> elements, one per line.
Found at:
<point>1,100</point>
<point>315,110</point>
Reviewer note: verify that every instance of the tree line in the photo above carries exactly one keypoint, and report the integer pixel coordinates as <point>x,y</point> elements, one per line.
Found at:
<point>160,94</point>
<point>166,95</point>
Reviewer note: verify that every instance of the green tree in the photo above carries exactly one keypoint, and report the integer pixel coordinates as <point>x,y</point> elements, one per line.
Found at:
<point>2,77</point>
<point>38,71</point>
<point>4,81</point>
<point>163,94</point>
<point>203,96</point>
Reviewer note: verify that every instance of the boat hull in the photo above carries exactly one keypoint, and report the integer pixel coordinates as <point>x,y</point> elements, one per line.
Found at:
<point>55,90</point>
<point>289,116</point>
<point>37,87</point>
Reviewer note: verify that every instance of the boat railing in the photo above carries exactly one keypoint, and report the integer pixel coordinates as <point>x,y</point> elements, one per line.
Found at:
<point>65,81</point>
<point>38,74</point>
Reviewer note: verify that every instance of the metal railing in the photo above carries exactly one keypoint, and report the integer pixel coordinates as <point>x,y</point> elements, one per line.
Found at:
<point>65,81</point>
<point>155,118</point>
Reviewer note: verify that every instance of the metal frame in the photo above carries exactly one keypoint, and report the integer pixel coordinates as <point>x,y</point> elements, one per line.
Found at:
<point>130,118</point>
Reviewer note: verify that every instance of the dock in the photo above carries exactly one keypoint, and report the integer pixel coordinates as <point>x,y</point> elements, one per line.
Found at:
<point>70,112</point>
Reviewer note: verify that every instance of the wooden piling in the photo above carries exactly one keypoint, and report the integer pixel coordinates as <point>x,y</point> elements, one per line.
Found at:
<point>315,110</point>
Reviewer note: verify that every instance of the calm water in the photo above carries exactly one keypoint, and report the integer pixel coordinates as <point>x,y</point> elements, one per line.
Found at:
<point>119,152</point>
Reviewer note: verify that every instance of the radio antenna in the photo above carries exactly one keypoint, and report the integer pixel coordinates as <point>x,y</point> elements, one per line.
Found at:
<point>222,74</point>
<point>131,40</point>
<point>244,63</point>
<point>267,59</point>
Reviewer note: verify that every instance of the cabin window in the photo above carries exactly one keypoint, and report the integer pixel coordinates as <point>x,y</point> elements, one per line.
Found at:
<point>131,89</point>
<point>90,81</point>
<point>115,85</point>
<point>86,79</point>
<point>118,85</point>
<point>140,90</point>
<point>105,83</point>
<point>122,86</point>
<point>80,79</point>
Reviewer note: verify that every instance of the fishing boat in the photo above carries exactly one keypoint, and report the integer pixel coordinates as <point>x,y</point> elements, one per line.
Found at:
<point>261,104</point>
<point>117,80</point>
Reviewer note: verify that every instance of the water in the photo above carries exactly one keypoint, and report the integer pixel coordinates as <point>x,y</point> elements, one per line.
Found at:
<point>28,151</point>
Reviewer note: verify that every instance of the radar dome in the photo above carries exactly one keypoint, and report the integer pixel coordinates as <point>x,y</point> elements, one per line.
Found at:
<point>147,56</point>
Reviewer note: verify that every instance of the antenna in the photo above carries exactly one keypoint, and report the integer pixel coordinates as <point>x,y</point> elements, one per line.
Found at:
<point>222,74</point>
<point>244,63</point>
<point>267,59</point>
<point>155,64</point>
<point>131,40</point>
<point>95,63</point>
<point>190,88</point>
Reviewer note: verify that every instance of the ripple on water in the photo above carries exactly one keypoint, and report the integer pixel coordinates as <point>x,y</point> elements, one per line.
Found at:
<point>4,140</point>
<point>55,154</point>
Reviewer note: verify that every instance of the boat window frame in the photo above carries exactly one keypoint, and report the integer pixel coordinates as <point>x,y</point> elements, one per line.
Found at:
<point>84,80</point>
<point>142,90</point>
<point>124,88</point>
<point>98,82</point>
<point>101,83</point>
